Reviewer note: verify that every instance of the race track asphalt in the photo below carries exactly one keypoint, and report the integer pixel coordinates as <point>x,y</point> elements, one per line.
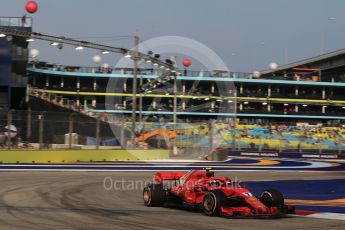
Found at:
<point>81,200</point>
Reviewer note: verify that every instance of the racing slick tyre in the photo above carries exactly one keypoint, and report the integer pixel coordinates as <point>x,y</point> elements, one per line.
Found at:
<point>273,197</point>
<point>154,195</point>
<point>212,202</point>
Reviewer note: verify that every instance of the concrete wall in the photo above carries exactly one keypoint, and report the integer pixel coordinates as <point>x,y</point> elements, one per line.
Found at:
<point>72,156</point>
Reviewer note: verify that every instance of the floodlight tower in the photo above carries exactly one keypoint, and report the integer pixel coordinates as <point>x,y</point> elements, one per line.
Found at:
<point>135,80</point>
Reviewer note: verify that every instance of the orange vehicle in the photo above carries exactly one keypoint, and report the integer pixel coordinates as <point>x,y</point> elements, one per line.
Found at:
<point>155,137</point>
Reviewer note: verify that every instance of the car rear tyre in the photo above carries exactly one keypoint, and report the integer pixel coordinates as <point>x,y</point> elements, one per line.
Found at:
<point>273,197</point>
<point>154,195</point>
<point>213,202</point>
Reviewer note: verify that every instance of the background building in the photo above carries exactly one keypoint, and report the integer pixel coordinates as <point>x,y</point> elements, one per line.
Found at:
<point>13,61</point>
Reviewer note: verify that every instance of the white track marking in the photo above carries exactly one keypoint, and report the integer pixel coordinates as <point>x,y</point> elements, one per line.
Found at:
<point>171,165</point>
<point>310,166</point>
<point>325,215</point>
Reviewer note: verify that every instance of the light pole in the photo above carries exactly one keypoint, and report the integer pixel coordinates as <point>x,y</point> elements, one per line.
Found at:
<point>141,101</point>
<point>135,73</point>
<point>175,101</point>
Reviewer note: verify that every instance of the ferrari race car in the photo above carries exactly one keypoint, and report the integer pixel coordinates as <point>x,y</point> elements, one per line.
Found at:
<point>215,196</point>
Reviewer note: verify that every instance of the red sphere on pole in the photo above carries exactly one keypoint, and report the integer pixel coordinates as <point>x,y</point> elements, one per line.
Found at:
<point>186,62</point>
<point>31,7</point>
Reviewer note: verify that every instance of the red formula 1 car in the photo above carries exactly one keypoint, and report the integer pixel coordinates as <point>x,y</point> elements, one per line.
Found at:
<point>200,189</point>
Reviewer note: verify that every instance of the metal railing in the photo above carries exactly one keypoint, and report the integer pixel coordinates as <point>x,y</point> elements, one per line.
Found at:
<point>16,21</point>
<point>69,129</point>
<point>185,72</point>
<point>142,71</point>
<point>163,107</point>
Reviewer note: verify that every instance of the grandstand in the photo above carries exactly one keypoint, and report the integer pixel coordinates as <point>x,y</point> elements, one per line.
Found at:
<point>297,107</point>
<point>265,137</point>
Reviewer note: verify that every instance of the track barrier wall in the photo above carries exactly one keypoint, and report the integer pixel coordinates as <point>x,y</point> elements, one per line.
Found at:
<point>278,154</point>
<point>73,156</point>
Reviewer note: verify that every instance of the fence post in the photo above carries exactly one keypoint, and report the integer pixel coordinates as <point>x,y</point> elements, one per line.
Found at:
<point>98,130</point>
<point>40,130</point>
<point>28,126</point>
<point>260,145</point>
<point>70,130</point>
<point>210,133</point>
<point>159,138</point>
<point>9,123</point>
<point>300,146</point>
<point>122,135</point>
<point>194,137</point>
<point>233,143</point>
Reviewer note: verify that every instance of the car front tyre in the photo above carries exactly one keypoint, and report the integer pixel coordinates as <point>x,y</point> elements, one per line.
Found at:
<point>213,202</point>
<point>273,197</point>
